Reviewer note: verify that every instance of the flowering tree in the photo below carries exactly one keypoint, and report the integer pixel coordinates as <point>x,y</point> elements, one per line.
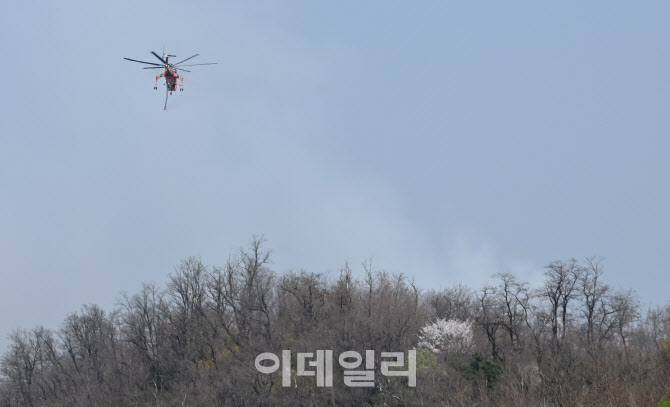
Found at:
<point>446,335</point>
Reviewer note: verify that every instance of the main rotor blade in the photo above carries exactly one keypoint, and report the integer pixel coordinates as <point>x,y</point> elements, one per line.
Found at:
<point>162,67</point>
<point>209,63</point>
<point>143,62</point>
<point>161,59</point>
<point>187,59</point>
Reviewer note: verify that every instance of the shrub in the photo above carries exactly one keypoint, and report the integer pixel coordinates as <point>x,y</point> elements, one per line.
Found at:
<point>486,369</point>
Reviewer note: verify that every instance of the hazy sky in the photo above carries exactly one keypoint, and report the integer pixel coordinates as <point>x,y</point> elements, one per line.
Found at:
<point>446,140</point>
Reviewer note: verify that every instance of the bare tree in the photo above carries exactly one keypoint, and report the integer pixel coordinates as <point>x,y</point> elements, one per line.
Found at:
<point>559,290</point>
<point>626,307</point>
<point>450,303</point>
<point>596,308</point>
<point>490,317</point>
<point>512,296</point>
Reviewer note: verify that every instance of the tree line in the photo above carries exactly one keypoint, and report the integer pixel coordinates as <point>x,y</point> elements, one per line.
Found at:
<point>572,340</point>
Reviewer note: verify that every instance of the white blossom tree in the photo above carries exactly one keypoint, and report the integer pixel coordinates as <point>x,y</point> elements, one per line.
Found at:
<point>446,336</point>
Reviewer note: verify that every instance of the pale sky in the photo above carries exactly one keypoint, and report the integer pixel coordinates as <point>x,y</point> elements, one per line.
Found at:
<point>445,140</point>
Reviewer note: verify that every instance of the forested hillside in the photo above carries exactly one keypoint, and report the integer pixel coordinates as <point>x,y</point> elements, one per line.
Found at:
<point>573,340</point>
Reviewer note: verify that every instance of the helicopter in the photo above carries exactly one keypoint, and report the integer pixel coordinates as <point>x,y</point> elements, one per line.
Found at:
<point>170,72</point>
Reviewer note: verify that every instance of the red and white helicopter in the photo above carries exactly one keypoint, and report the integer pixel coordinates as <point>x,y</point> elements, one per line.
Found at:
<point>170,72</point>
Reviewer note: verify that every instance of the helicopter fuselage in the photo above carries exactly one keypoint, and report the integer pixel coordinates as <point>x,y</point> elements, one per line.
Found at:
<point>171,79</point>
